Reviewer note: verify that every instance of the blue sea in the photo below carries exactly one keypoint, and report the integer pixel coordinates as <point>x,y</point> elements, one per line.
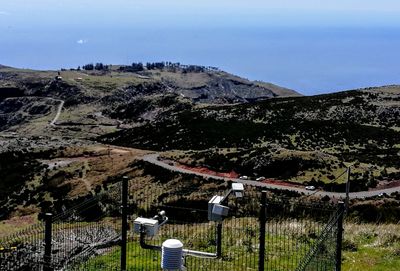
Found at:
<point>311,58</point>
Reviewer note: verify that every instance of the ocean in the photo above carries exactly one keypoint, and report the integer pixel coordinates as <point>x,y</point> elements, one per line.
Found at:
<point>311,59</point>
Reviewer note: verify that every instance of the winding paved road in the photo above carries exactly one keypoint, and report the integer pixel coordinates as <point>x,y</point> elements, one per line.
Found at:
<point>153,158</point>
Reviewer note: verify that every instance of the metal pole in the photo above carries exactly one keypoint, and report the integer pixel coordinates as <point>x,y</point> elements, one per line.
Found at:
<point>48,218</point>
<point>339,237</point>
<point>262,220</point>
<point>219,239</point>
<point>347,188</point>
<point>124,224</point>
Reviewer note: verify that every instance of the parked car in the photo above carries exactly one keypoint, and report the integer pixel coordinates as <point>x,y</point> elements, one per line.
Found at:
<point>244,177</point>
<point>310,187</point>
<point>262,178</point>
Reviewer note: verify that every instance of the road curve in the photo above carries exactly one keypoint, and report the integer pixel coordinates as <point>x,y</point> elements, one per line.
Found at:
<point>153,159</point>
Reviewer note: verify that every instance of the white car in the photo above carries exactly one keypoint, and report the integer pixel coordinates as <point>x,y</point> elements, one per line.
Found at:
<point>310,187</point>
<point>262,178</point>
<point>244,177</point>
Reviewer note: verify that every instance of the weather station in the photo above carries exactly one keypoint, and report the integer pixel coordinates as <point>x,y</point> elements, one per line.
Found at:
<point>172,250</point>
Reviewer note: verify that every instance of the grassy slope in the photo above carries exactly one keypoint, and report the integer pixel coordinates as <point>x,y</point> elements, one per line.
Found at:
<point>299,123</point>
<point>355,127</point>
<point>62,175</point>
<point>377,247</point>
<point>93,93</point>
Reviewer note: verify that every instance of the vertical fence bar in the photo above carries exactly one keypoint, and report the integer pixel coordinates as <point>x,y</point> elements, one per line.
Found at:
<point>124,224</point>
<point>47,241</point>
<point>262,218</point>
<point>339,237</point>
<point>348,188</point>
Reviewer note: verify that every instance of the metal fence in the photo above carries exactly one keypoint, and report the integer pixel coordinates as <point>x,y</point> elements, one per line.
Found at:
<point>68,239</point>
<point>303,236</point>
<point>262,231</point>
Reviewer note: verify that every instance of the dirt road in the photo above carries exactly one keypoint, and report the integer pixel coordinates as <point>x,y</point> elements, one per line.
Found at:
<point>60,106</point>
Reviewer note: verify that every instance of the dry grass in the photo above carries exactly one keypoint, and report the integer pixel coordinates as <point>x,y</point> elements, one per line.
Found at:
<point>372,247</point>
<point>15,224</point>
<point>373,235</point>
<point>93,165</point>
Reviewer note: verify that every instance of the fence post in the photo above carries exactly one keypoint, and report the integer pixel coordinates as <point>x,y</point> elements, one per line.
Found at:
<point>219,239</point>
<point>48,218</point>
<point>124,224</point>
<point>339,236</point>
<point>262,220</point>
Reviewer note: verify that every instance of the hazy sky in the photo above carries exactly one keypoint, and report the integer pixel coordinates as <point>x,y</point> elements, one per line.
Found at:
<point>370,5</point>
<point>219,11</point>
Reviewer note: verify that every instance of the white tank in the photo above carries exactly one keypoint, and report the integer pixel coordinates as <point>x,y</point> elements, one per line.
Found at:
<point>171,257</point>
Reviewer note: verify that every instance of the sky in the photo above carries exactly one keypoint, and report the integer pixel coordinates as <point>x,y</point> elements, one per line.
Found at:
<point>282,11</point>
<point>313,46</point>
<point>371,5</point>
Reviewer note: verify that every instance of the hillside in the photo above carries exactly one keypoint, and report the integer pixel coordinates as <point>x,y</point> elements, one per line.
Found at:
<point>301,139</point>
<point>48,124</point>
<point>97,102</point>
<point>55,133</point>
